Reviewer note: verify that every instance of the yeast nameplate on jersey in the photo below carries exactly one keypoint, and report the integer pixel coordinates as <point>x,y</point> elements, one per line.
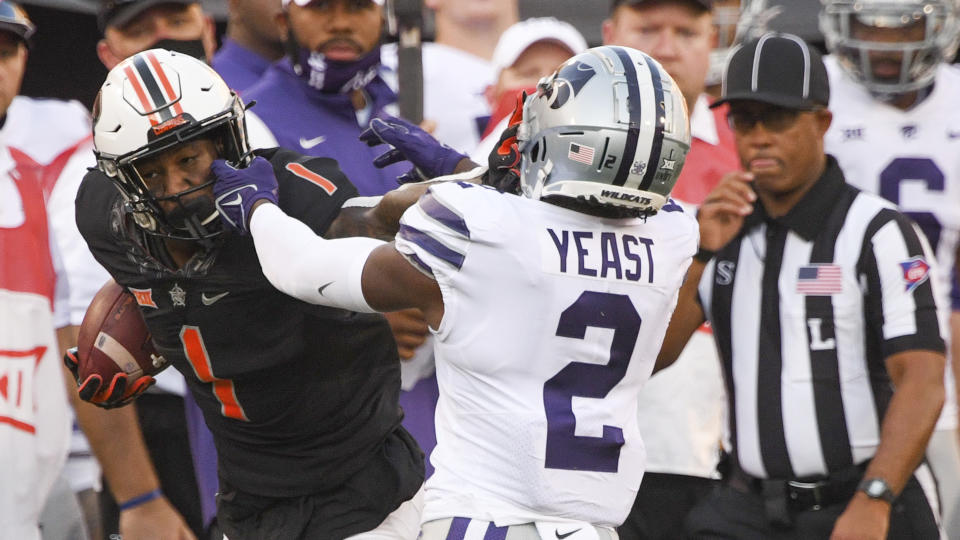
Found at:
<point>597,254</point>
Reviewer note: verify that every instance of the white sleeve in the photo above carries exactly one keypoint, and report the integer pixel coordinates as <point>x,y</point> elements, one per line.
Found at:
<point>61,290</point>
<point>304,265</point>
<point>901,293</point>
<point>435,234</point>
<point>80,275</point>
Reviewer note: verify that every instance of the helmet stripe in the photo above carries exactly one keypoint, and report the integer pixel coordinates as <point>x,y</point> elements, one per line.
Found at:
<point>165,82</point>
<point>653,163</point>
<point>141,94</point>
<point>633,105</point>
<point>153,89</point>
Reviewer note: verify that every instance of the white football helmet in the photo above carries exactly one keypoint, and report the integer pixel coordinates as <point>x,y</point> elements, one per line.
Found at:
<point>609,128</point>
<point>918,59</point>
<point>149,103</point>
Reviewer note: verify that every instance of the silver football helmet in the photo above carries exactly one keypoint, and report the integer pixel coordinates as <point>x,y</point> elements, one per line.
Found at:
<point>918,60</point>
<point>737,24</point>
<point>608,128</point>
<point>149,103</point>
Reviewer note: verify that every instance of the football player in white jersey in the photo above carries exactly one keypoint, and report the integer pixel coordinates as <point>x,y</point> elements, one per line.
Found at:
<point>896,132</point>
<point>548,308</point>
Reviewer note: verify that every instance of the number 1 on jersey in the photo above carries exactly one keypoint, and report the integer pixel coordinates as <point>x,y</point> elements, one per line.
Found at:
<point>223,389</point>
<point>566,450</point>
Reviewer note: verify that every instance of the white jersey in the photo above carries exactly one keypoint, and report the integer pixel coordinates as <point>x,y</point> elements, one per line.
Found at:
<point>911,158</point>
<point>43,129</point>
<point>553,320</point>
<point>85,276</point>
<point>34,415</point>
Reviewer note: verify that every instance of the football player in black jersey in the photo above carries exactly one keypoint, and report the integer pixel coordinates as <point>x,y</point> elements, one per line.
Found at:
<point>301,400</point>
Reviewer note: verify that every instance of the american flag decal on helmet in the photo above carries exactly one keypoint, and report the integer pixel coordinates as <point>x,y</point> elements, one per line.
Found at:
<point>155,93</point>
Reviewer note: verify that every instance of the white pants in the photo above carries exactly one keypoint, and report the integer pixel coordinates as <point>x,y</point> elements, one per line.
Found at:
<point>62,518</point>
<point>402,524</point>
<point>444,529</point>
<point>943,455</point>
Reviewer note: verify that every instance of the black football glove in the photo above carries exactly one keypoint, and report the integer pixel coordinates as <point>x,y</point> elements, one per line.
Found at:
<point>118,392</point>
<point>503,170</point>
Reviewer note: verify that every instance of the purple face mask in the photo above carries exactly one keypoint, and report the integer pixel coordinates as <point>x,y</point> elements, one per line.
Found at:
<point>333,76</point>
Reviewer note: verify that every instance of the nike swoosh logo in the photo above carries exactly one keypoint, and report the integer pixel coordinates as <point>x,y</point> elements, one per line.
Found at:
<point>953,134</point>
<point>322,287</point>
<point>562,536</point>
<point>209,300</point>
<point>236,202</point>
<point>310,143</point>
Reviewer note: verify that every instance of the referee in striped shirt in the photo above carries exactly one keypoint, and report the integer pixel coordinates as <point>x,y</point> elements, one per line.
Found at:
<point>822,310</point>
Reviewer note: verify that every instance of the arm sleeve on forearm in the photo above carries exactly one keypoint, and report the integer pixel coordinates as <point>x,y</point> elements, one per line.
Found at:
<point>307,266</point>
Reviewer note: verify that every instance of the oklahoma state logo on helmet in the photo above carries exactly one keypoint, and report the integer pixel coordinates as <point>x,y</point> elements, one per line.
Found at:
<point>156,92</point>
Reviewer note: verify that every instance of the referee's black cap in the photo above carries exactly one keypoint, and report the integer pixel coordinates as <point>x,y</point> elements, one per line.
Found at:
<point>779,69</point>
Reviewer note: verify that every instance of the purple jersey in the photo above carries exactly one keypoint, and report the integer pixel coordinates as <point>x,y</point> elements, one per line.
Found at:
<point>325,125</point>
<point>240,67</point>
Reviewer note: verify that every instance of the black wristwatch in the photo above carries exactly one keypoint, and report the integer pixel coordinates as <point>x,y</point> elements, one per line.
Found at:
<point>877,488</point>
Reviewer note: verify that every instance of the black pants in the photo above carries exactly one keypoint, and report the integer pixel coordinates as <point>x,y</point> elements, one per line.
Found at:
<point>732,513</point>
<point>388,479</point>
<point>164,427</point>
<point>662,504</point>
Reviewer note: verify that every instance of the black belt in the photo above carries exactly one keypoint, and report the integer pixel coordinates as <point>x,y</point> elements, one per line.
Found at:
<point>782,498</point>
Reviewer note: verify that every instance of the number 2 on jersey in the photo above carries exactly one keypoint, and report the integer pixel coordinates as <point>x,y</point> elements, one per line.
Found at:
<point>223,389</point>
<point>566,450</point>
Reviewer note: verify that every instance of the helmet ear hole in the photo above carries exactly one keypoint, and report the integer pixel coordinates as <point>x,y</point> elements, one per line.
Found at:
<point>535,152</point>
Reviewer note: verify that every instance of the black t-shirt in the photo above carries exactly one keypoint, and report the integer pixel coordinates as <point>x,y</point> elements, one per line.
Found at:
<point>298,397</point>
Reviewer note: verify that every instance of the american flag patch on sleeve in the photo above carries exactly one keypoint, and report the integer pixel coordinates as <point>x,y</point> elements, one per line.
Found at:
<point>820,279</point>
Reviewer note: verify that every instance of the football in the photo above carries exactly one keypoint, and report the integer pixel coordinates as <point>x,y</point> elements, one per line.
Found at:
<point>114,338</point>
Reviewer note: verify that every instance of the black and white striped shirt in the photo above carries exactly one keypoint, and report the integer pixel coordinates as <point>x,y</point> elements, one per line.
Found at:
<point>805,308</point>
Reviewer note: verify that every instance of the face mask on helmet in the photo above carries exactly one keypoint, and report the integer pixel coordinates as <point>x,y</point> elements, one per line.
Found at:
<point>609,129</point>
<point>152,103</point>
<point>725,17</point>
<point>891,46</point>
<point>737,22</point>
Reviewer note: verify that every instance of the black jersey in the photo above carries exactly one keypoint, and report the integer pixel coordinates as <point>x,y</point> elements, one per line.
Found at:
<point>298,397</point>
